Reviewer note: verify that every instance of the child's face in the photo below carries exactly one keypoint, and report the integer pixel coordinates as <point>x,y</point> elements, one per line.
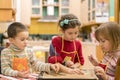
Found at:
<point>71,33</point>
<point>105,44</point>
<point>20,40</point>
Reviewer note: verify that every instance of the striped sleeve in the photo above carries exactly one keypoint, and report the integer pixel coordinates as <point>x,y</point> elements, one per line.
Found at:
<point>110,71</point>
<point>37,65</point>
<point>6,63</point>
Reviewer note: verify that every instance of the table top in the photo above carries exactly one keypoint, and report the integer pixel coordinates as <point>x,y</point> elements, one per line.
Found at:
<point>88,75</point>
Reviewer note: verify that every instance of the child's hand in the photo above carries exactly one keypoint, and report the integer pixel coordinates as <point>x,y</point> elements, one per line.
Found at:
<point>93,60</point>
<point>69,70</point>
<point>23,74</point>
<point>69,63</point>
<point>75,71</point>
<point>76,65</point>
<point>100,72</point>
<point>55,67</point>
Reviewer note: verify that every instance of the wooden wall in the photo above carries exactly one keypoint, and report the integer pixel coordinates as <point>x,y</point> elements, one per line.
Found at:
<point>6,11</point>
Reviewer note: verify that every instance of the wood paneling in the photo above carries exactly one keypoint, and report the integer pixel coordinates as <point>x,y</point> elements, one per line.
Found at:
<point>6,11</point>
<point>6,15</point>
<point>5,4</point>
<point>116,10</point>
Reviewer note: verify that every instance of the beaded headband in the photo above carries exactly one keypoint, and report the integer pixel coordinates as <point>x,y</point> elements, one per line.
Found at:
<point>66,21</point>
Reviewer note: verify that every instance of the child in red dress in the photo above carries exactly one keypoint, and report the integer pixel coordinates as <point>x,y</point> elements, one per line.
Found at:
<point>66,49</point>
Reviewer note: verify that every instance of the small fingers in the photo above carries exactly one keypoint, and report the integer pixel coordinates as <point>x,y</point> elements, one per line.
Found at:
<point>79,72</point>
<point>56,68</point>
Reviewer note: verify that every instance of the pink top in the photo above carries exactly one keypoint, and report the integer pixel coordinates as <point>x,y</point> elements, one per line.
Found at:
<point>111,59</point>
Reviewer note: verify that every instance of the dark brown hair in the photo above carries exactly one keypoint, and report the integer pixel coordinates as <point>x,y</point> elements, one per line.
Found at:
<point>72,21</point>
<point>15,28</point>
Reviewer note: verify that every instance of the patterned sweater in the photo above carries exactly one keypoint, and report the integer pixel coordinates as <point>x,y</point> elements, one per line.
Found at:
<point>7,55</point>
<point>111,60</point>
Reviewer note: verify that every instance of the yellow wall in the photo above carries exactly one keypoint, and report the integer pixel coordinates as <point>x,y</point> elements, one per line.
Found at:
<point>43,27</point>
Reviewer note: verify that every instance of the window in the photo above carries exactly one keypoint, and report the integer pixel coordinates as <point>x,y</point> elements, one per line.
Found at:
<point>93,4</point>
<point>65,2</point>
<point>35,2</point>
<point>65,11</point>
<point>56,1</point>
<point>35,8</point>
<point>93,15</point>
<point>89,4</point>
<point>56,10</point>
<point>88,16</point>
<point>44,11</point>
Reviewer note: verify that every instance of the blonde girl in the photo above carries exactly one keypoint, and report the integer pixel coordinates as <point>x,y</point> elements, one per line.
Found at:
<point>108,35</point>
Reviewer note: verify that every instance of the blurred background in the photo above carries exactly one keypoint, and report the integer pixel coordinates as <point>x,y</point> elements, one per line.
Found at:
<point>41,16</point>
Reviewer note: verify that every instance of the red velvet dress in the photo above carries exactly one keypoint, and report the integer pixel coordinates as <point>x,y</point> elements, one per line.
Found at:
<point>62,50</point>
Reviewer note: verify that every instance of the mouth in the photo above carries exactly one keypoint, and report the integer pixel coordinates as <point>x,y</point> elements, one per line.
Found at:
<point>71,40</point>
<point>24,45</point>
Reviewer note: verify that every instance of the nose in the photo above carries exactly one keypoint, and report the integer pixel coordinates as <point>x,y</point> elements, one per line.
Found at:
<point>73,37</point>
<point>101,44</point>
<point>26,41</point>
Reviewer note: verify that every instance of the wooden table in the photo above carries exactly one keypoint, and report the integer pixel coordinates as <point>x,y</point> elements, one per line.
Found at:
<point>32,77</point>
<point>88,75</point>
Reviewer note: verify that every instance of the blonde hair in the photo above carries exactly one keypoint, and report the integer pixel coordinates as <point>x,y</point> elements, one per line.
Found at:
<point>111,32</point>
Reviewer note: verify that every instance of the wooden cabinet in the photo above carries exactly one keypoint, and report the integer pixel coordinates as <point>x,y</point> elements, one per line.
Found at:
<point>6,11</point>
<point>5,4</point>
<point>6,15</point>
